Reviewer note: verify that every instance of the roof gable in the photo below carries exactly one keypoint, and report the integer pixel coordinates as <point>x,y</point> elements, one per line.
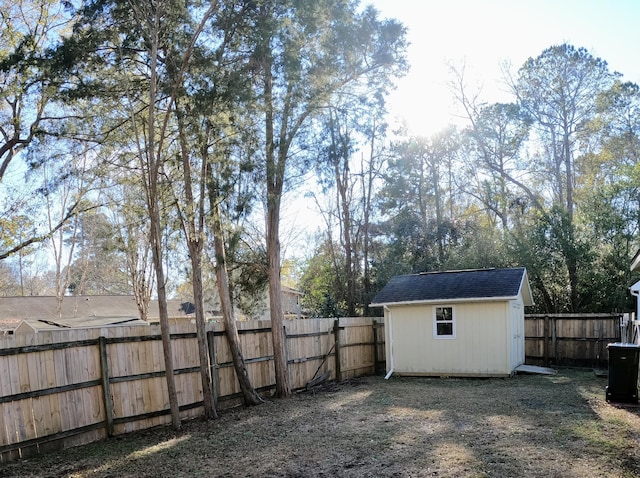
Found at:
<point>480,284</point>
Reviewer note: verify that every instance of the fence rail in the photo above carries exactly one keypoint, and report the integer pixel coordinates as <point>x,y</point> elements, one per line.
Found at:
<point>570,339</point>
<point>70,387</point>
<point>65,388</point>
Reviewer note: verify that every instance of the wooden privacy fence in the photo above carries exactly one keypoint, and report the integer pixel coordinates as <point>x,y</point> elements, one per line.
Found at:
<point>70,387</point>
<point>570,339</point>
<point>74,386</point>
<point>631,329</point>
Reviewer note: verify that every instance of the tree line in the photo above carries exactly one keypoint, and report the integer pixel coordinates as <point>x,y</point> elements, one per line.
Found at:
<point>149,147</point>
<point>547,180</point>
<point>166,123</point>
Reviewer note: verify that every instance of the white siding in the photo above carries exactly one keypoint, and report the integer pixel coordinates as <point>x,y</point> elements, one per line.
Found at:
<point>516,324</point>
<point>481,346</point>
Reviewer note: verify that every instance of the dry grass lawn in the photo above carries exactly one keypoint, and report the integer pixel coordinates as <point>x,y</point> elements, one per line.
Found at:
<point>526,426</point>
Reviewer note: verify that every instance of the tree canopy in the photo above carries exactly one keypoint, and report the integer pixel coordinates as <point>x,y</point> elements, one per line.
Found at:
<point>207,116</point>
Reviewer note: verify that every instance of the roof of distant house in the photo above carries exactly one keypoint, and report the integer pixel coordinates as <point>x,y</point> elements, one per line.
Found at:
<point>81,311</point>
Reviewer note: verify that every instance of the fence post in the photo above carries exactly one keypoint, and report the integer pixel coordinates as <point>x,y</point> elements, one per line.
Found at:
<point>336,335</point>
<point>375,346</point>
<point>106,388</point>
<point>545,333</point>
<point>554,340</point>
<point>213,369</point>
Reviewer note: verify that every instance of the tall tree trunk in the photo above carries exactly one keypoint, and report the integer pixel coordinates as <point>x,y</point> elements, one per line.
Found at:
<point>275,180</point>
<point>568,169</point>
<point>249,394</point>
<point>571,258</point>
<point>192,218</point>
<point>348,248</point>
<point>367,188</point>
<point>138,272</point>
<point>339,156</point>
<point>195,251</point>
<point>153,167</point>
<point>435,184</point>
<point>283,388</point>
<point>165,332</point>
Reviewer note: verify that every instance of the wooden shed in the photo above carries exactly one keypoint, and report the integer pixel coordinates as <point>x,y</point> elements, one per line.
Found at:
<point>455,323</point>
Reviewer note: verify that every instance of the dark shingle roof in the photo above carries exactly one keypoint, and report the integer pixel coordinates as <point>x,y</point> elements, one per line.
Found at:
<point>452,285</point>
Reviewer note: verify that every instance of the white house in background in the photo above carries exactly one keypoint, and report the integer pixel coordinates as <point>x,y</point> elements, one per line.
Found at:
<point>291,304</point>
<point>635,288</point>
<point>455,323</point>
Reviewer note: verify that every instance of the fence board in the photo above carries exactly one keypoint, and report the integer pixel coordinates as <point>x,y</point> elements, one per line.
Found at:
<point>358,342</point>
<point>61,378</point>
<point>570,339</point>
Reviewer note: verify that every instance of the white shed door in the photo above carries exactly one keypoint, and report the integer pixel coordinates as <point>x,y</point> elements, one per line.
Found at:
<point>517,343</point>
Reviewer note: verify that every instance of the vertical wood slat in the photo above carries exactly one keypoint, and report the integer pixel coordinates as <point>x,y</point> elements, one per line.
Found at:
<point>336,341</point>
<point>213,369</point>
<point>375,347</point>
<point>554,339</point>
<point>571,338</point>
<point>115,406</point>
<point>106,387</point>
<point>545,335</point>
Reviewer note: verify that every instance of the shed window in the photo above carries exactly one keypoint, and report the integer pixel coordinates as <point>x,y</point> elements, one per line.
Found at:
<point>444,322</point>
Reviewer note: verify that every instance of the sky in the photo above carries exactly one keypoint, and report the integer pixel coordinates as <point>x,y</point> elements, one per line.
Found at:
<point>483,34</point>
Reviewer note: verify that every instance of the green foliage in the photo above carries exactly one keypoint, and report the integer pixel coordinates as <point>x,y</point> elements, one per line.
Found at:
<point>100,265</point>
<point>323,284</point>
<point>248,278</point>
<point>9,283</point>
<point>276,89</point>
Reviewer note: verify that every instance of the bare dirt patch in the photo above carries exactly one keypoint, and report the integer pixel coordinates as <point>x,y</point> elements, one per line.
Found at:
<point>526,426</point>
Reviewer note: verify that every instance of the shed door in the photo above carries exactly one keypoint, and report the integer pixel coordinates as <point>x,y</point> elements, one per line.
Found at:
<point>517,342</point>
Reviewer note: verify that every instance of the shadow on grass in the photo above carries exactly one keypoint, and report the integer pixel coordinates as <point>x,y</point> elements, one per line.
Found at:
<point>524,426</point>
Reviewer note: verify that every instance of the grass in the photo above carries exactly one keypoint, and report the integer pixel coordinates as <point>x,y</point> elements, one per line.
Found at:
<point>526,426</point>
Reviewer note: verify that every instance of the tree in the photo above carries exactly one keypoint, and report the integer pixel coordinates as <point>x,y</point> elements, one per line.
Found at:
<point>609,198</point>
<point>132,236</point>
<point>302,53</point>
<point>558,90</point>
<point>99,267</point>
<point>353,120</point>
<point>322,282</point>
<point>250,396</point>
<point>14,230</point>
<point>157,30</point>
<point>418,197</point>
<point>134,42</point>
<point>202,122</point>
<point>9,284</point>
<point>30,106</point>
<point>498,176</point>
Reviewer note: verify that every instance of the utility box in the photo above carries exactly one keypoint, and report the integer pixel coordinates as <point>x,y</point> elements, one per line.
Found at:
<point>623,373</point>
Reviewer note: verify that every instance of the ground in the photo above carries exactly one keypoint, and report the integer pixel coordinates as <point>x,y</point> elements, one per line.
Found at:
<point>525,426</point>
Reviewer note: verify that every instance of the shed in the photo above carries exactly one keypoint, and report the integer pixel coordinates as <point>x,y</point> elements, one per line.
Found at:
<point>455,323</point>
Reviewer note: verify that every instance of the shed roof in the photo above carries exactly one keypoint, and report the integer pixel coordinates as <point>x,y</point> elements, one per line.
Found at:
<point>456,286</point>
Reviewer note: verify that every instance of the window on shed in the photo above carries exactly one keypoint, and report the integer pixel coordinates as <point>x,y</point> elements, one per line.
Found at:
<point>443,322</point>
